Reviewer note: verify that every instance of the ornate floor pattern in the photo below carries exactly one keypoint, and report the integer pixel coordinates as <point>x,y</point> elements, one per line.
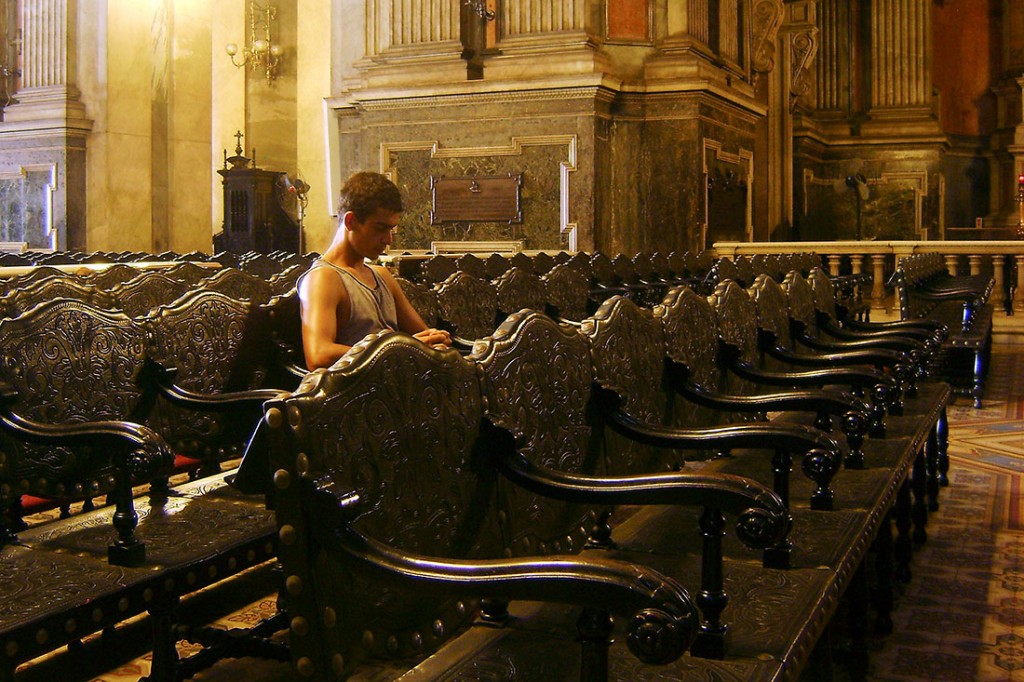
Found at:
<point>962,616</point>
<point>960,619</point>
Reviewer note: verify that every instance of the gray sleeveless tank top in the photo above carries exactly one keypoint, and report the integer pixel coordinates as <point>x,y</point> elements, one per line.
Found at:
<point>370,309</point>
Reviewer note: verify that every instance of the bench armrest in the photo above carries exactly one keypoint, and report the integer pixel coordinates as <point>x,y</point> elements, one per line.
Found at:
<point>163,378</point>
<point>140,451</point>
<point>763,519</point>
<point>808,400</point>
<point>664,621</point>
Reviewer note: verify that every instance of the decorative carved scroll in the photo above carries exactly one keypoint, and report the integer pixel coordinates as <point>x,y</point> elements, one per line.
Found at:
<point>767,17</point>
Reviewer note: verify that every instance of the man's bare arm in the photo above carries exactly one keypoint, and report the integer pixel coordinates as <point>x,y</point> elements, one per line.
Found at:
<point>325,305</point>
<point>409,321</point>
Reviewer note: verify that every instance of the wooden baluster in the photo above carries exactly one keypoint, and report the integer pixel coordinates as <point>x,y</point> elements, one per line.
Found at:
<point>951,261</point>
<point>975,262</point>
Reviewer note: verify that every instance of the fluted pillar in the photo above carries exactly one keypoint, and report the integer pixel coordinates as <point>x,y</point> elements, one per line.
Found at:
<point>48,89</point>
<point>411,23</point>
<point>833,60</point>
<point>900,54</point>
<point>542,16</point>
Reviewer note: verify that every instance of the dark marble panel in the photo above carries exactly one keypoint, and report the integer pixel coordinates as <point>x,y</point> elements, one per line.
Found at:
<point>540,166</point>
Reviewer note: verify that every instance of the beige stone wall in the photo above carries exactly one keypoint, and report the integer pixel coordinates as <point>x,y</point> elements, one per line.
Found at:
<point>144,71</point>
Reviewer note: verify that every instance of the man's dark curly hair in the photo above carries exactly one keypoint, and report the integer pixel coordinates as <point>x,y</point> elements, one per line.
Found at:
<point>364,192</point>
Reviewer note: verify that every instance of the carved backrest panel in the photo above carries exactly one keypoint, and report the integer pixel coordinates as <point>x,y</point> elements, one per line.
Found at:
<point>542,263</point>
<point>285,280</point>
<point>397,422</point>
<point>568,291</point>
<point>522,261</point>
<point>726,269</point>
<point>677,263</point>
<point>691,333</point>
<point>824,292</point>
<point>627,345</point>
<point>150,289</point>
<point>705,261</point>
<point>218,344</point>
<point>561,257</point>
<point>238,284</point>
<point>624,269</point>
<point>801,301</point>
<point>227,259</point>
<point>602,270</point>
<point>772,309</point>
<point>660,265</point>
<point>537,379</point>
<point>212,339</point>
<point>496,265</point>
<point>423,300</point>
<point>112,276</point>
<point>19,300</point>
<point>260,265</point>
<point>470,263</point>
<point>437,269</point>
<point>580,261</point>
<point>745,270</point>
<point>72,363</point>
<point>189,273</point>
<point>518,289</point>
<point>468,304</point>
<point>737,319</point>
<point>36,274</point>
<point>627,350</point>
<point>285,321</point>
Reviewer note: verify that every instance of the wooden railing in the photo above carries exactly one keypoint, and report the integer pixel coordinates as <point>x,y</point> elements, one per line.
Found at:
<point>1004,260</point>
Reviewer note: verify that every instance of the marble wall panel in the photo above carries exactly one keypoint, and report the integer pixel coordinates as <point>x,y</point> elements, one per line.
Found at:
<point>550,139</point>
<point>899,205</point>
<point>539,197</point>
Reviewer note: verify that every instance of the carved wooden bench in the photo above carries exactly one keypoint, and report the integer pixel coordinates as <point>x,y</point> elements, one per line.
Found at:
<point>925,290</point>
<point>78,386</point>
<point>392,534</point>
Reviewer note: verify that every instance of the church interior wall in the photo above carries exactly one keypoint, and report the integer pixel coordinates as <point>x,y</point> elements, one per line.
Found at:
<point>627,111</point>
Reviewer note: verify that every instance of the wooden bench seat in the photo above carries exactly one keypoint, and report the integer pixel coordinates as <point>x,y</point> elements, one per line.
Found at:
<point>60,588</point>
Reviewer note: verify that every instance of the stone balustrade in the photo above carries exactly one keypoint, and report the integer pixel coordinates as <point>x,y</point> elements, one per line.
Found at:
<point>1004,260</point>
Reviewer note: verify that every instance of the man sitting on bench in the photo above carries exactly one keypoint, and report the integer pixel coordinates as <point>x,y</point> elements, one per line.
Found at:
<point>342,298</point>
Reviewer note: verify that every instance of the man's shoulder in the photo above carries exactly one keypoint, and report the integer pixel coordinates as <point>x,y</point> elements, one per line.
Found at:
<point>321,279</point>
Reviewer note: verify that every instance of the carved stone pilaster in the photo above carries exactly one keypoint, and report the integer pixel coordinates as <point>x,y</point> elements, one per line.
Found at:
<point>766,20</point>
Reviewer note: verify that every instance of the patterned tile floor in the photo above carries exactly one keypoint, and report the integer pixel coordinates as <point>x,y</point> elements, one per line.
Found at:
<point>960,619</point>
<point>962,616</point>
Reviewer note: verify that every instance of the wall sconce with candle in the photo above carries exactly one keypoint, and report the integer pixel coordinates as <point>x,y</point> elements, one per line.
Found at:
<point>262,53</point>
